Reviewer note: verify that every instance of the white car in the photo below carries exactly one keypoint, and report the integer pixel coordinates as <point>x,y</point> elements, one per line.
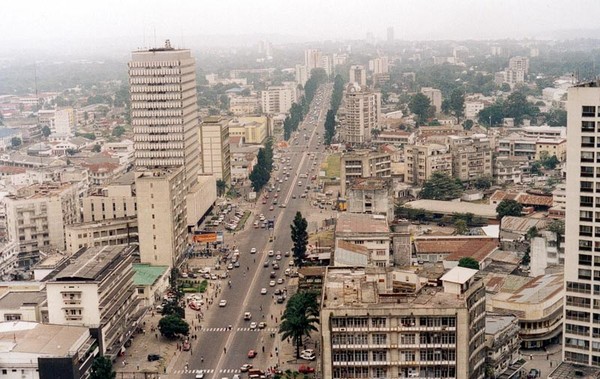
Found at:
<point>253,250</point>
<point>271,253</point>
<point>280,281</point>
<point>278,257</point>
<point>263,291</point>
<point>222,303</point>
<point>253,325</point>
<point>272,283</point>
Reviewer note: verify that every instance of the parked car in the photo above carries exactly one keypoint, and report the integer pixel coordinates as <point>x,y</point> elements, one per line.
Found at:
<point>153,357</point>
<point>252,354</point>
<point>303,369</point>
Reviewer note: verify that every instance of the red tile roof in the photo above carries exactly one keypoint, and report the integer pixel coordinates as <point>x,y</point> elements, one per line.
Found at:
<point>457,247</point>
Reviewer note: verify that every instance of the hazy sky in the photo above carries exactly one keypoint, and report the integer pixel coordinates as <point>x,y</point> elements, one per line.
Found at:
<point>32,24</point>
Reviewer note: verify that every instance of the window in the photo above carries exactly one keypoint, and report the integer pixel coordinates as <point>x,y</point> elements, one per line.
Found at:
<point>588,126</point>
<point>584,274</point>
<point>588,111</point>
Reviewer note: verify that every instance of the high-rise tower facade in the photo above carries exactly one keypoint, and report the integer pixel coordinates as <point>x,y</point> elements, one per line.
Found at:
<point>581,342</point>
<point>164,110</point>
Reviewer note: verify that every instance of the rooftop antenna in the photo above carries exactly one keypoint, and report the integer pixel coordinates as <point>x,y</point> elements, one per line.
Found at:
<point>155,37</point>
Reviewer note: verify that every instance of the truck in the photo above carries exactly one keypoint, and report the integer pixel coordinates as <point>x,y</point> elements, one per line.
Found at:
<point>256,373</point>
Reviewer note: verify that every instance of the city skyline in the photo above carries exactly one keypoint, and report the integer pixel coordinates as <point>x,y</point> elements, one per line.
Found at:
<point>35,25</point>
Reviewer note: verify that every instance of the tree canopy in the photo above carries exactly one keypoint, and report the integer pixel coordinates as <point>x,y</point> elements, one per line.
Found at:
<point>509,208</point>
<point>420,105</point>
<point>261,173</point>
<point>102,368</point>
<point>299,238</point>
<point>441,186</point>
<point>455,104</point>
<point>468,262</point>
<point>515,106</point>
<point>171,326</point>
<point>299,318</point>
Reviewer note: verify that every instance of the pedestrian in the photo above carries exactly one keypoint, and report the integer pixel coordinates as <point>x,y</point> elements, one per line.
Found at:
<point>530,357</point>
<point>156,335</point>
<point>547,356</point>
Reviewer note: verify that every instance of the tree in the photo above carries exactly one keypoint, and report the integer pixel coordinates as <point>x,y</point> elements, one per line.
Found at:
<point>299,238</point>
<point>441,186</point>
<point>536,168</point>
<point>532,233</point>
<point>509,208</point>
<point>505,87</point>
<point>102,368</point>
<point>456,104</point>
<point>517,107</point>
<point>16,142</point>
<point>329,127</point>
<point>173,308</point>
<point>491,116</point>
<point>550,162</point>
<point>46,131</point>
<point>468,124</point>
<point>556,117</point>
<point>468,262</point>
<point>558,228</point>
<point>96,148</point>
<point>460,227</point>
<point>221,187</point>
<point>483,182</point>
<point>420,105</point>
<point>118,131</point>
<point>71,152</point>
<point>171,326</point>
<point>299,318</point>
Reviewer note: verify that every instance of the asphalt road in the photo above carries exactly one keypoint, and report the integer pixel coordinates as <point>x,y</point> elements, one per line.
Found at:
<point>247,280</point>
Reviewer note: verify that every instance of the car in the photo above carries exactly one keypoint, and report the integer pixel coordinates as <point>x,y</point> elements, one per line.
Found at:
<point>263,291</point>
<point>307,351</point>
<point>223,303</point>
<point>293,196</point>
<point>278,257</point>
<point>304,369</point>
<point>252,354</point>
<point>184,275</point>
<point>247,316</point>
<point>264,201</point>
<point>273,275</point>
<point>280,281</point>
<point>299,183</point>
<point>275,266</point>
<point>278,292</point>
<point>246,367</point>
<point>230,266</point>
<point>236,264</point>
<point>280,299</point>
<point>282,205</point>
<point>533,373</point>
<point>214,277</point>
<point>271,208</point>
<point>153,357</point>
<point>200,375</point>
<point>271,253</point>
<point>253,250</point>
<point>291,263</point>
<point>287,254</point>
<point>236,376</point>
<point>266,264</point>
<point>253,325</point>
<point>272,283</point>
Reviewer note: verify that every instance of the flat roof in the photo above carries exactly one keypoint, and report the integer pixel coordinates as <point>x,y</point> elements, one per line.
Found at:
<point>146,275</point>
<point>360,223</point>
<point>459,275</point>
<point>496,323</point>
<point>41,339</point>
<point>449,207</point>
<point>566,370</point>
<point>17,299</point>
<point>91,263</point>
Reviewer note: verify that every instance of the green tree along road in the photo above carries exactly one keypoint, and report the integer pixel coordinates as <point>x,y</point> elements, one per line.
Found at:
<point>336,100</point>
<point>221,187</point>
<point>171,326</point>
<point>102,368</point>
<point>441,187</point>
<point>515,106</point>
<point>299,318</point>
<point>509,208</point>
<point>455,105</point>
<point>261,173</point>
<point>300,109</point>
<point>299,238</point>
<point>421,106</point>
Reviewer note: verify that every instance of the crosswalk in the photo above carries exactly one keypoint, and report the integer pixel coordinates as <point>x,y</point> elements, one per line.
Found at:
<point>207,371</point>
<point>269,330</point>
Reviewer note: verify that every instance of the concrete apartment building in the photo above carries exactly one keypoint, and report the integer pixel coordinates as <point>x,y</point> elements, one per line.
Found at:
<point>581,343</point>
<point>502,342</point>
<point>358,75</point>
<point>312,59</point>
<point>379,65</point>
<point>216,157</point>
<point>117,200</point>
<point>362,112</point>
<point>423,160</point>
<point>471,156</point>
<point>252,130</point>
<point>244,105</point>
<point>63,122</point>
<point>363,164</point>
<point>36,217</point>
<point>301,74</point>
<point>164,110</point>
<point>278,99</point>
<point>162,221</point>
<point>362,240</point>
<point>371,196</point>
<point>118,231</point>
<point>95,289</point>
<point>9,259</point>
<point>435,97</point>
<point>42,351</point>
<point>388,323</point>
<point>516,145</point>
<point>472,109</point>
<point>509,169</point>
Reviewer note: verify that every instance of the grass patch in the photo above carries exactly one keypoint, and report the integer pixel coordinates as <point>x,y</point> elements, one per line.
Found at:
<point>242,222</point>
<point>332,166</point>
<point>194,286</point>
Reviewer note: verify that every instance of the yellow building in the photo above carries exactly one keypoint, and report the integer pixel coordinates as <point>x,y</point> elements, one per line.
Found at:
<point>253,130</point>
<point>554,146</point>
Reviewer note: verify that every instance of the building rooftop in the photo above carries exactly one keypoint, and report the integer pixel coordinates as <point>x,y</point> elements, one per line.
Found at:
<point>368,184</point>
<point>459,275</point>
<point>146,275</point>
<point>91,264</point>
<point>566,370</point>
<point>523,289</point>
<point>450,207</point>
<point>40,339</point>
<point>350,223</point>
<point>457,247</point>
<point>497,323</point>
<point>377,287</point>
<point>17,299</point>
<point>522,224</point>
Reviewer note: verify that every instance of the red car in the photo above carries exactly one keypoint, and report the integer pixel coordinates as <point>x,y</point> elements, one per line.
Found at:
<point>252,354</point>
<point>303,369</point>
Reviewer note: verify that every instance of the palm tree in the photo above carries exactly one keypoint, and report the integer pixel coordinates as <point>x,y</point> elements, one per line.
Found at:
<point>299,319</point>
<point>221,187</point>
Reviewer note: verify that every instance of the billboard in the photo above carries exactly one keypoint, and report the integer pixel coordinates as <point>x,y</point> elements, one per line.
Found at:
<point>205,237</point>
